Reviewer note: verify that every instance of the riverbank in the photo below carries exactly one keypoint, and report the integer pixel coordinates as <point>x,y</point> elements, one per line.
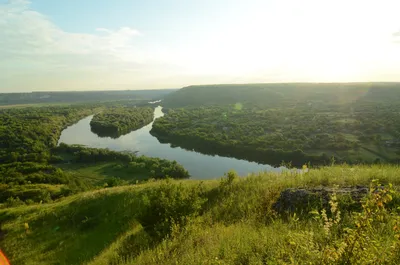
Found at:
<point>145,144</point>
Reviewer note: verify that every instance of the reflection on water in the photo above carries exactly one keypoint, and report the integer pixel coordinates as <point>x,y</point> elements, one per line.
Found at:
<point>200,166</point>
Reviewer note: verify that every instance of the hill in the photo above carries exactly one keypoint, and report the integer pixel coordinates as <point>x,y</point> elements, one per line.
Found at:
<point>228,221</point>
<point>301,123</point>
<point>53,97</point>
<point>282,94</point>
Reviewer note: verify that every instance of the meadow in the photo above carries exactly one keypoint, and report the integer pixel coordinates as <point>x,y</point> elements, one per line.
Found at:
<point>232,220</point>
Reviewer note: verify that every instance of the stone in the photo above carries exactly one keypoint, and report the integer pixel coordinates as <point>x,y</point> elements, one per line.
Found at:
<point>303,200</point>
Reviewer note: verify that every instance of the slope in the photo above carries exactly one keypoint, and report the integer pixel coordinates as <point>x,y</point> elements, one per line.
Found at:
<point>227,221</point>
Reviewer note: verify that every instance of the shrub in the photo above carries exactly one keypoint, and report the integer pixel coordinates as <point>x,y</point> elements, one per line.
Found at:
<point>170,205</point>
<point>360,242</point>
<point>113,182</point>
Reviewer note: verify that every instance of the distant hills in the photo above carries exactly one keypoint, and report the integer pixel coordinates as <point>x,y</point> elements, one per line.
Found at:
<point>81,96</point>
<point>271,94</point>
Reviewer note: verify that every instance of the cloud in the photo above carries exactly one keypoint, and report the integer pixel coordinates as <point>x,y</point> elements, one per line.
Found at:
<point>24,31</point>
<point>29,41</point>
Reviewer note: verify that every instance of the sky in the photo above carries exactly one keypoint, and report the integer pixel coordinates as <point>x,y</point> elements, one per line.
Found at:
<point>50,45</point>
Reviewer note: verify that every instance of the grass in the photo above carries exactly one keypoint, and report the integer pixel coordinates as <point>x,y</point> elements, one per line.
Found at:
<point>98,173</point>
<point>229,221</point>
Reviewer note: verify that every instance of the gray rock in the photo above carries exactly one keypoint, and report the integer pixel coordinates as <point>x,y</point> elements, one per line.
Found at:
<point>304,200</point>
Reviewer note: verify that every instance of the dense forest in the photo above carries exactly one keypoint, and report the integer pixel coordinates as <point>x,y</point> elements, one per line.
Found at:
<point>354,123</point>
<point>118,121</point>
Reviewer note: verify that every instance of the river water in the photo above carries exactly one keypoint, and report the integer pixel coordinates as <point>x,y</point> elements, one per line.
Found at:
<point>200,166</point>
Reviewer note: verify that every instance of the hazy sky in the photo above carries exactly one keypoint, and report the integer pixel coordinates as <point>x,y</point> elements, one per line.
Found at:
<point>141,44</point>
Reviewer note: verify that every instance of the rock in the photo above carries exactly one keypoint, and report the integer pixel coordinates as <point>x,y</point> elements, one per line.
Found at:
<point>304,200</point>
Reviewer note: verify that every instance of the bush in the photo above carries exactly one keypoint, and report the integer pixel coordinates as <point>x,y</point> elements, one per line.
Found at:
<point>113,182</point>
<point>170,205</point>
<point>14,202</point>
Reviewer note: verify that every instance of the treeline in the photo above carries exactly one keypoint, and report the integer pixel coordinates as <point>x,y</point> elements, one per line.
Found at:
<point>26,134</point>
<point>30,159</point>
<point>117,121</point>
<point>364,132</point>
<point>153,167</point>
<point>82,96</point>
<point>274,157</point>
<point>282,94</point>
<point>32,182</point>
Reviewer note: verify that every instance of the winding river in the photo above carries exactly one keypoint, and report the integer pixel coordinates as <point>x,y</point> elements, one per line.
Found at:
<point>200,166</point>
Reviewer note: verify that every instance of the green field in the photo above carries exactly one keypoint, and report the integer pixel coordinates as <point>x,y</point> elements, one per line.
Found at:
<point>228,221</point>
<point>99,172</point>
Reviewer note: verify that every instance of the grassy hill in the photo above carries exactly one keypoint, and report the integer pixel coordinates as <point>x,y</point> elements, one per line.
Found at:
<point>228,221</point>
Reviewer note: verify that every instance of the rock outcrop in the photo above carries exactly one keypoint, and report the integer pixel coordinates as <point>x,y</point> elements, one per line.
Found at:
<point>303,200</point>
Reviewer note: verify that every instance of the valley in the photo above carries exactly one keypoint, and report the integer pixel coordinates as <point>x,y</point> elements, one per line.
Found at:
<point>221,174</point>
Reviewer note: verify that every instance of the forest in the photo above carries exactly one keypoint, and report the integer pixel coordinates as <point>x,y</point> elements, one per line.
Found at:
<point>351,123</point>
<point>118,121</point>
<point>33,168</point>
<point>271,95</point>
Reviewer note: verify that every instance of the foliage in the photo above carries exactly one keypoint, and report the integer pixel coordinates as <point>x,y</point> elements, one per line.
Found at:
<point>169,206</point>
<point>274,95</point>
<point>118,121</point>
<point>153,167</point>
<point>353,124</point>
<point>27,134</point>
<point>361,244</point>
<point>31,162</point>
<point>230,221</point>
<point>113,182</point>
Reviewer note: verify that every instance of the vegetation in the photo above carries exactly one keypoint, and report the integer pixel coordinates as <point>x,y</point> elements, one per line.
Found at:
<point>82,96</point>
<point>148,166</point>
<point>118,121</point>
<point>27,134</point>
<point>287,94</point>
<point>71,204</point>
<point>231,221</point>
<point>298,123</point>
<point>33,169</point>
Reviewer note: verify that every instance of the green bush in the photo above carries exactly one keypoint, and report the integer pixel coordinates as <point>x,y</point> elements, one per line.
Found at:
<point>113,182</point>
<point>170,205</point>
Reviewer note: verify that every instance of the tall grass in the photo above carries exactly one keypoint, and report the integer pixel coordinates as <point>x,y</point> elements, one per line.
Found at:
<point>226,221</point>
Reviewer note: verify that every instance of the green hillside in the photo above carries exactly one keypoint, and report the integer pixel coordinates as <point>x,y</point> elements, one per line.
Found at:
<point>228,221</point>
<point>271,94</point>
<point>298,122</point>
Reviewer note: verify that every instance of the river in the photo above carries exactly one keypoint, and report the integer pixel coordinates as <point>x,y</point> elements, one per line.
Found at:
<point>200,166</point>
